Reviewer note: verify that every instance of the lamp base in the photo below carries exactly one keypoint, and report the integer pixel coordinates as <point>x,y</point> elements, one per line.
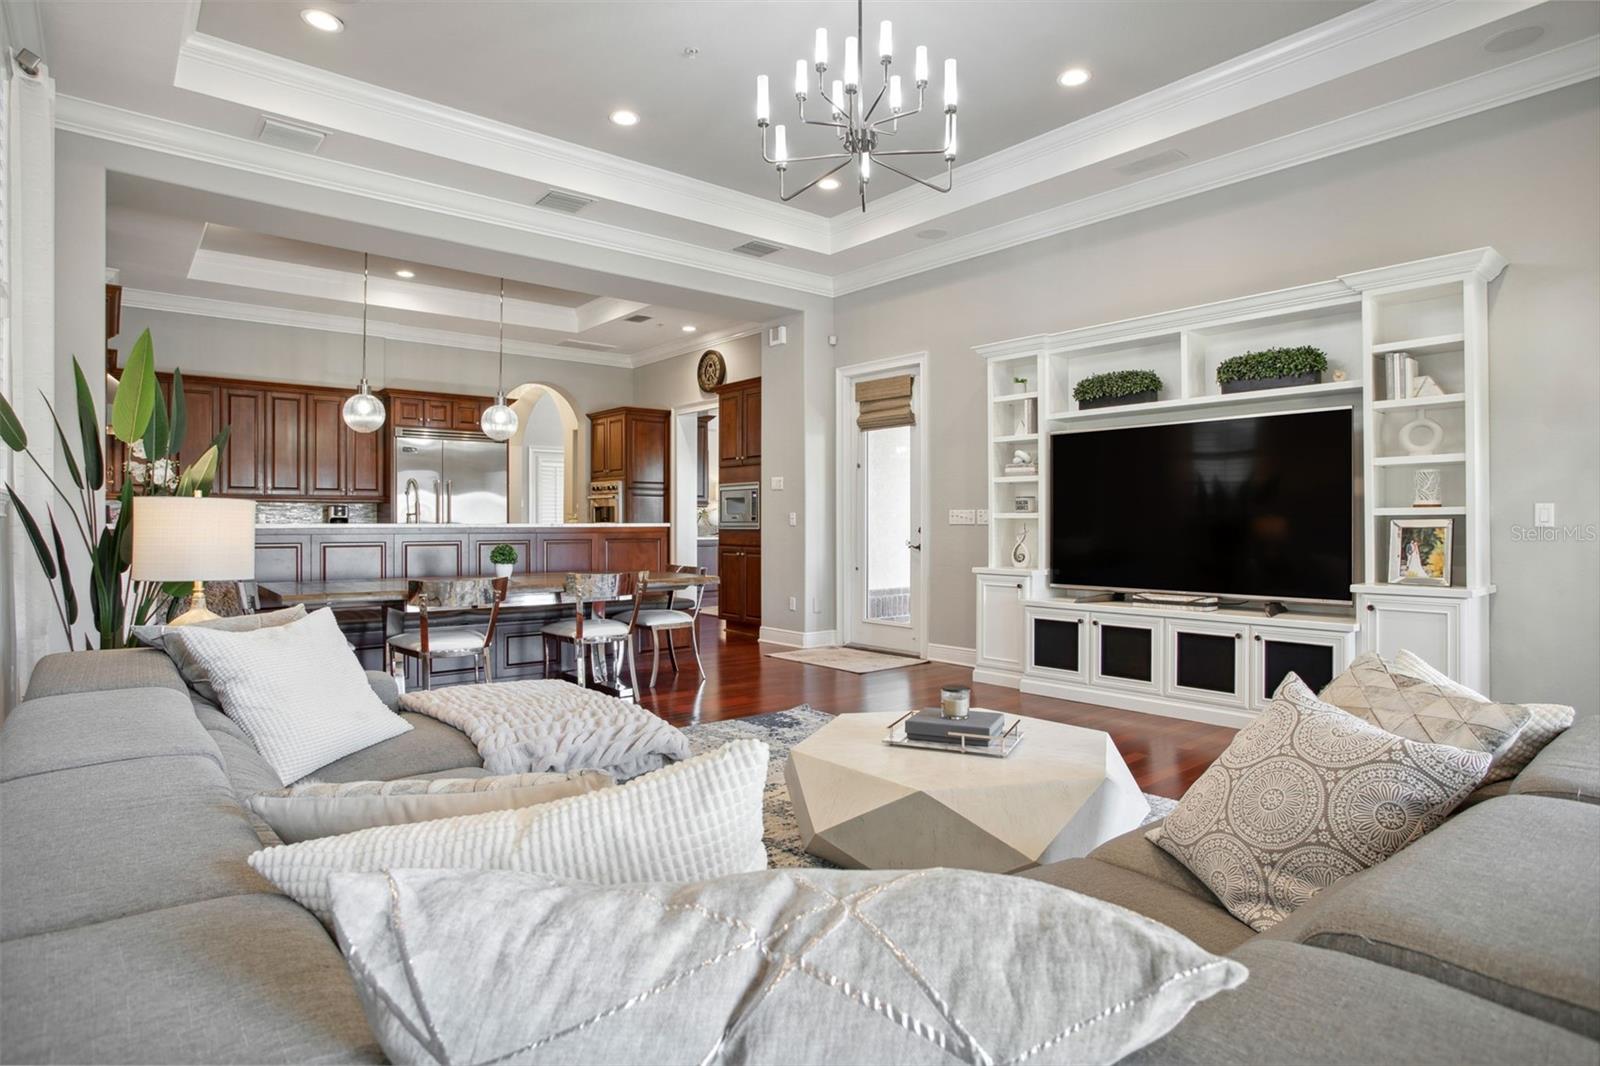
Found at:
<point>197,611</point>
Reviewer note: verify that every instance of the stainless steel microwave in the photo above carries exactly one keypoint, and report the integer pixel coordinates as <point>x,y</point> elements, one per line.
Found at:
<point>739,505</point>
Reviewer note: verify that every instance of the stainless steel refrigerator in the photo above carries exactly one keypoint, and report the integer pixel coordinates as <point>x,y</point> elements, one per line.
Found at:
<point>441,476</point>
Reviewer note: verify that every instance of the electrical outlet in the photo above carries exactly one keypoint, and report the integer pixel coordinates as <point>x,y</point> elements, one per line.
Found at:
<point>966,517</point>
<point>816,605</point>
<point>983,516</point>
<point>1544,515</point>
<point>777,484</point>
<point>794,518</point>
<point>793,605</point>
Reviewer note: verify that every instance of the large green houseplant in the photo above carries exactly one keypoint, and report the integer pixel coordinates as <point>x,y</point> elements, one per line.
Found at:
<point>152,427</point>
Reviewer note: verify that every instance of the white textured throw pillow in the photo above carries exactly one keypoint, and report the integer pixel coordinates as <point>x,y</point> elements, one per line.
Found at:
<point>1307,794</point>
<point>787,966</point>
<point>194,674</point>
<point>1546,721</point>
<point>297,690</point>
<point>308,811</point>
<point>696,819</point>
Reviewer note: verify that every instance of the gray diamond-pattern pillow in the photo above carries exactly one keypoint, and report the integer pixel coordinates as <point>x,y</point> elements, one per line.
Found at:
<point>1305,795</point>
<point>791,966</point>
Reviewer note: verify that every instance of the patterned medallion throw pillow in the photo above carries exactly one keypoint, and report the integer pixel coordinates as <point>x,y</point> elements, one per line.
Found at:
<point>1407,706</point>
<point>1546,721</point>
<point>1305,795</point>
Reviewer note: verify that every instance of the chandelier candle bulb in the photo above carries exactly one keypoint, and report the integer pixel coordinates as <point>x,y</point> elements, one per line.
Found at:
<point>852,62</point>
<point>822,49</point>
<point>763,103</point>
<point>895,100</point>
<point>920,73</point>
<point>949,84</point>
<point>866,167</point>
<point>780,146</point>
<point>800,78</point>
<point>885,40</point>
<point>838,95</point>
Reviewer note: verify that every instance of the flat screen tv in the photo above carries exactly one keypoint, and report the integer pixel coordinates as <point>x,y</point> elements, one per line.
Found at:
<point>1250,508</point>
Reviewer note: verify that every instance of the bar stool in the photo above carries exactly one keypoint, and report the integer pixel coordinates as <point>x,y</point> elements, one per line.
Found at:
<point>428,643</point>
<point>666,618</point>
<point>587,635</point>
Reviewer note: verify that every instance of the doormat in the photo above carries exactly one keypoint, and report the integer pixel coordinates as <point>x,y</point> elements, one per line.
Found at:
<point>852,660</point>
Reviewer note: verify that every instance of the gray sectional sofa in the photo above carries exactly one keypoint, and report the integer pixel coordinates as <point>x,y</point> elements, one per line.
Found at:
<point>132,929</point>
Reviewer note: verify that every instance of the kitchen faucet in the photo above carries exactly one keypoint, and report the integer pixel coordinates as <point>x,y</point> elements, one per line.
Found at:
<point>413,500</point>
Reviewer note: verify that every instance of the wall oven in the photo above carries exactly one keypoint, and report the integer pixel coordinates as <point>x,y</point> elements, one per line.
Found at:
<point>739,505</point>
<point>605,501</point>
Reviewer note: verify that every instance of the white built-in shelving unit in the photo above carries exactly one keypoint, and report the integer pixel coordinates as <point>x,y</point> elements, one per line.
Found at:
<point>1434,310</point>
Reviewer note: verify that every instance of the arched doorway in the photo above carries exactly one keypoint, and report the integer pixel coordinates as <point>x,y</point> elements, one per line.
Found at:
<point>547,435</point>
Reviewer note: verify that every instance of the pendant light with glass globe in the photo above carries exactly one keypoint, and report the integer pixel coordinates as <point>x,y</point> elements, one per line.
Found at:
<point>364,412</point>
<point>499,421</point>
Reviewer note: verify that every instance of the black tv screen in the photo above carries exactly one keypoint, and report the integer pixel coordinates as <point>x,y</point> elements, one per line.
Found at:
<point>1253,508</point>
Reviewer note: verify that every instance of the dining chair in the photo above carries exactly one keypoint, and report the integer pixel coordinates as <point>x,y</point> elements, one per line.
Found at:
<point>588,635</point>
<point>427,643</point>
<point>659,612</point>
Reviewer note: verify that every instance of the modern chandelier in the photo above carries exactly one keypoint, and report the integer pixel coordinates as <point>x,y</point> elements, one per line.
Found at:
<point>363,412</point>
<point>852,118</point>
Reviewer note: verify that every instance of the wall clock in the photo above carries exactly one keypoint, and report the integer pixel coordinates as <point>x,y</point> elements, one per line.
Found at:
<point>711,371</point>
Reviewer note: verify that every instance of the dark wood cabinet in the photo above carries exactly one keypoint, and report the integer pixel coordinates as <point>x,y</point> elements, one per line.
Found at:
<point>406,411</point>
<point>284,457</point>
<point>608,453</point>
<point>468,413</point>
<point>739,573</point>
<point>420,410</point>
<point>365,459</point>
<point>739,430</point>
<point>629,444</point>
<point>243,468</point>
<point>327,441</point>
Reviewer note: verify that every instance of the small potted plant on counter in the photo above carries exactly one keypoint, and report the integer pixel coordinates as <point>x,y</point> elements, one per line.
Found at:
<point>1116,387</point>
<point>1272,368</point>
<point>504,558</point>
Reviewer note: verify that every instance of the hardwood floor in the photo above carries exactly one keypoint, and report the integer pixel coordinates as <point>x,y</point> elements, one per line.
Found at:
<point>1165,754</point>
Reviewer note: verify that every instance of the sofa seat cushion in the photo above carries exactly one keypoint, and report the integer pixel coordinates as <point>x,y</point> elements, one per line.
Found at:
<point>1303,1006</point>
<point>1568,767</point>
<point>429,747</point>
<point>1202,920</point>
<point>96,671</point>
<point>1502,901</point>
<point>94,729</point>
<point>1133,851</point>
<point>100,842</point>
<point>242,979</point>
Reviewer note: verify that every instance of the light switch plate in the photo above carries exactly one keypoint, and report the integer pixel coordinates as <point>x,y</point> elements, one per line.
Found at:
<point>1544,515</point>
<point>793,605</point>
<point>966,517</point>
<point>777,484</point>
<point>983,516</point>
<point>794,518</point>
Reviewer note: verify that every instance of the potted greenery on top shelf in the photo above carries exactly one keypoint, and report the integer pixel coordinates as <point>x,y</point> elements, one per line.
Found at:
<point>504,558</point>
<point>1116,387</point>
<point>1272,368</point>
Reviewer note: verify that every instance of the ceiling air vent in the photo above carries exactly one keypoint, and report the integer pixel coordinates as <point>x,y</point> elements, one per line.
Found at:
<point>1159,161</point>
<point>758,249</point>
<point>281,134</point>
<point>568,203</point>
<point>588,346</point>
<point>637,318</point>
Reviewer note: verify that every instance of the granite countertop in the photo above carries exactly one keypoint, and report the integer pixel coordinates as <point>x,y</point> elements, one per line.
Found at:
<point>269,526</point>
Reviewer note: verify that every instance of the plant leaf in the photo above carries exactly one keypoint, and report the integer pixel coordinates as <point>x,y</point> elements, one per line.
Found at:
<point>201,473</point>
<point>42,550</point>
<point>68,594</point>
<point>11,430</point>
<point>66,449</point>
<point>136,396</point>
<point>155,434</point>
<point>122,533</point>
<point>178,423</point>
<point>94,471</point>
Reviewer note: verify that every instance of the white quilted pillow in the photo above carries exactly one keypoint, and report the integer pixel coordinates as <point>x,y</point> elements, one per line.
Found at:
<point>1546,721</point>
<point>698,819</point>
<point>297,690</point>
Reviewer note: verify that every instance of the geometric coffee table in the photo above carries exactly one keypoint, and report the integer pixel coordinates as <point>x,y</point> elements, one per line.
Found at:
<point>860,803</point>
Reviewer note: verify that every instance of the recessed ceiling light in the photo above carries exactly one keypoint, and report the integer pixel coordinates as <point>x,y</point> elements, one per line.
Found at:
<point>319,19</point>
<point>689,329</point>
<point>1511,40</point>
<point>932,234</point>
<point>828,184</point>
<point>625,118</point>
<point>405,274</point>
<point>1072,77</point>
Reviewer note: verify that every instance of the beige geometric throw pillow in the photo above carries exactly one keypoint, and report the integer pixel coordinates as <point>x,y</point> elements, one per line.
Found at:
<point>1409,707</point>
<point>1305,795</point>
<point>1546,721</point>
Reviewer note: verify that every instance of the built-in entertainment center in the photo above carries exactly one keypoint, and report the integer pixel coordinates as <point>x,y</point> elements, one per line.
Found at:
<point>1179,554</point>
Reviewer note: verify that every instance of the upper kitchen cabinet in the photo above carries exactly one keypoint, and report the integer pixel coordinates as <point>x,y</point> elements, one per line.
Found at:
<point>629,444</point>
<point>608,453</point>
<point>243,468</point>
<point>739,429</point>
<point>419,410</point>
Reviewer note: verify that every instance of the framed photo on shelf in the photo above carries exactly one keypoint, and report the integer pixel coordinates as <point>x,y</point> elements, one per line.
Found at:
<point>1419,551</point>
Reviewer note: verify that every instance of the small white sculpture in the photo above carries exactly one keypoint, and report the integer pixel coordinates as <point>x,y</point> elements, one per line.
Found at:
<point>1426,386</point>
<point>1021,458</point>
<point>1421,435</point>
<point>1019,551</point>
<point>1425,483</point>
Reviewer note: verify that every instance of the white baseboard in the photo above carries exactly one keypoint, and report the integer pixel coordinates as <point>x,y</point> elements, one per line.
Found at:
<point>1003,678</point>
<point>794,638</point>
<point>1131,701</point>
<point>954,654</point>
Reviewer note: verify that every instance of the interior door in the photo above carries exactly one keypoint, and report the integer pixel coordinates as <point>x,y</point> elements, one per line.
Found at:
<point>885,575</point>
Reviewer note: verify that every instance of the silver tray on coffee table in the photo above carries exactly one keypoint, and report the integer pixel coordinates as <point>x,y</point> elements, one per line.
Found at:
<point>895,737</point>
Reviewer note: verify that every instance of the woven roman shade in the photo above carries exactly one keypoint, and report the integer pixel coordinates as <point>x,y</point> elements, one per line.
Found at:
<point>885,403</point>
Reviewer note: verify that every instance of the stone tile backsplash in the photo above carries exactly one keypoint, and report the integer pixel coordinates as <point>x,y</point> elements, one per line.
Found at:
<point>273,513</point>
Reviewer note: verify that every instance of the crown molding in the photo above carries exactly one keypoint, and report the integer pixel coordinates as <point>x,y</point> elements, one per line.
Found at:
<point>1370,34</point>
<point>662,352</point>
<point>1480,264</point>
<point>256,79</point>
<point>105,122</point>
<point>236,311</point>
<point>1542,73</point>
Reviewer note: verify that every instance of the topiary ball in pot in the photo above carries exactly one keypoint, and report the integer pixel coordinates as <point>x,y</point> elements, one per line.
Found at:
<point>1272,368</point>
<point>504,558</point>
<point>1116,387</point>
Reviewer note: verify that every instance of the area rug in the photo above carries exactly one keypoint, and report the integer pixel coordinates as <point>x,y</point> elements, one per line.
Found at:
<point>782,730</point>
<point>853,660</point>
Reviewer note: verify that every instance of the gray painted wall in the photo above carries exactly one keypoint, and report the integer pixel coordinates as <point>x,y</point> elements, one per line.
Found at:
<point>1523,178</point>
<point>671,382</point>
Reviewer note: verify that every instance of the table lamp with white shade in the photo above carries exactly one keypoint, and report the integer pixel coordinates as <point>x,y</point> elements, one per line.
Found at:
<point>193,538</point>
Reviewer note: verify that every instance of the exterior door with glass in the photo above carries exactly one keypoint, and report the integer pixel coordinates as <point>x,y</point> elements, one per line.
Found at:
<point>885,575</point>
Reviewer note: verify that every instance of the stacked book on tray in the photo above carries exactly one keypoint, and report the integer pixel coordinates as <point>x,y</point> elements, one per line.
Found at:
<point>977,729</point>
